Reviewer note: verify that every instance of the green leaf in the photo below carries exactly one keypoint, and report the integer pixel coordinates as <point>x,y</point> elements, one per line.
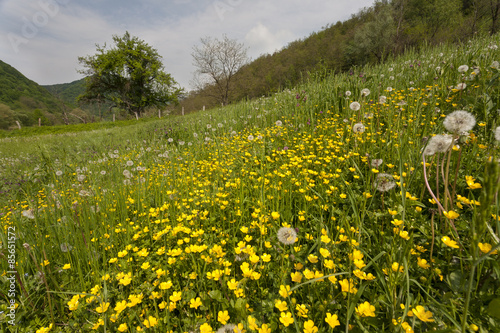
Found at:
<point>494,308</point>
<point>457,281</point>
<point>216,295</point>
<point>240,305</point>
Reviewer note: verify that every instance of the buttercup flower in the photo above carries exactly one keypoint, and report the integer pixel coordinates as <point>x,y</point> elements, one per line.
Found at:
<point>365,310</point>
<point>421,314</point>
<point>451,243</point>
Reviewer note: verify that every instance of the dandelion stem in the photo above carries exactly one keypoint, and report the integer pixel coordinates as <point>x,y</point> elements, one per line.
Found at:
<point>429,187</point>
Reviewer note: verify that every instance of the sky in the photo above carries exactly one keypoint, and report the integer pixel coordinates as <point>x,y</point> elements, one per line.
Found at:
<point>44,38</point>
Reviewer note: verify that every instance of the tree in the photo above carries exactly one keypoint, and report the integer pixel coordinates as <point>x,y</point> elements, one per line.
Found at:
<point>217,62</point>
<point>375,38</point>
<point>130,75</point>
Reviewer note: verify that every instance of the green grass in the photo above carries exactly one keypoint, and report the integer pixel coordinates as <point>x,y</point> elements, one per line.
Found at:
<point>173,224</point>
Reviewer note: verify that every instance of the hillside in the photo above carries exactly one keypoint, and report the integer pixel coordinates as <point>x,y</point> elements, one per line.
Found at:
<point>374,35</point>
<point>23,100</point>
<point>67,92</point>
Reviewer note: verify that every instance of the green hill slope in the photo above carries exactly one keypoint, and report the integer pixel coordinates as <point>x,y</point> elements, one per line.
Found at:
<point>67,92</point>
<point>25,101</point>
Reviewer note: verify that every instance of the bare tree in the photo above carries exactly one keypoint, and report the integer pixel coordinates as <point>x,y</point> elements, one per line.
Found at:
<point>217,62</point>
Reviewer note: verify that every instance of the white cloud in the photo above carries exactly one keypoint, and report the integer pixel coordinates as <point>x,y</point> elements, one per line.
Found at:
<point>261,40</point>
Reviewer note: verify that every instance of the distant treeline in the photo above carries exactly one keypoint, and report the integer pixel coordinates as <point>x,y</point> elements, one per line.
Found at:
<point>384,30</point>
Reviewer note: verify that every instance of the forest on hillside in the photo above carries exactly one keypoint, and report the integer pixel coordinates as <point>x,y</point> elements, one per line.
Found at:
<point>373,35</point>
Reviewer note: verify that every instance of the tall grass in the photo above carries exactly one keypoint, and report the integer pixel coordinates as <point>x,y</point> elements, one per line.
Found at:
<point>172,225</point>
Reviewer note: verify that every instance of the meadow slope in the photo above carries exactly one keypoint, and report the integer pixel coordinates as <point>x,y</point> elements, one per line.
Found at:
<point>360,202</point>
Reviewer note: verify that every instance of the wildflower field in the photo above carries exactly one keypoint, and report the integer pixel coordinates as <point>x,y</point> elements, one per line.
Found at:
<point>357,202</point>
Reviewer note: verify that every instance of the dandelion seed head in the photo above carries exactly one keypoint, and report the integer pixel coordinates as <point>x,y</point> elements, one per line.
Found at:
<point>28,213</point>
<point>438,144</point>
<point>497,133</point>
<point>348,93</point>
<point>463,68</point>
<point>377,162</point>
<point>65,247</point>
<point>358,128</point>
<point>355,106</point>
<point>459,122</point>
<point>229,328</point>
<point>365,92</point>
<point>382,99</point>
<point>384,182</point>
<point>287,236</point>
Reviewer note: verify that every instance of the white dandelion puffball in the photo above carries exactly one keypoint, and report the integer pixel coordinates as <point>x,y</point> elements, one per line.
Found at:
<point>287,236</point>
<point>497,133</point>
<point>439,143</point>
<point>382,99</point>
<point>28,213</point>
<point>348,93</point>
<point>377,162</point>
<point>279,123</point>
<point>384,182</point>
<point>229,328</point>
<point>355,106</point>
<point>251,137</point>
<point>461,86</point>
<point>365,92</point>
<point>358,128</point>
<point>463,68</point>
<point>459,122</point>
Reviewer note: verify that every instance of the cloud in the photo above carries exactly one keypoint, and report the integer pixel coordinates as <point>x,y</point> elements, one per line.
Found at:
<point>261,40</point>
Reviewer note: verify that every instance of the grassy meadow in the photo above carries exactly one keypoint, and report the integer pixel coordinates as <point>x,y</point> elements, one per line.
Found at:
<point>359,202</point>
